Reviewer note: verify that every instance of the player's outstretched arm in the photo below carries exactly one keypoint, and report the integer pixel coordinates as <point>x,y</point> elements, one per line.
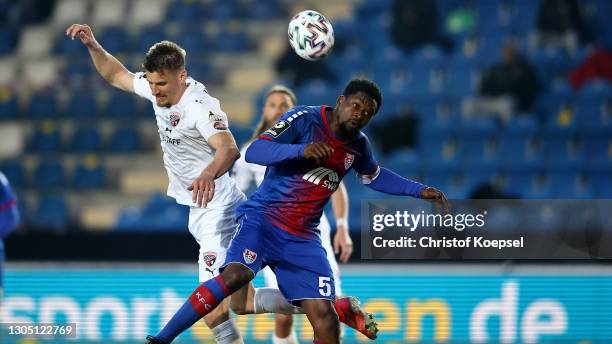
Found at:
<point>267,152</point>
<point>113,71</point>
<point>343,244</point>
<point>391,183</point>
<point>226,152</point>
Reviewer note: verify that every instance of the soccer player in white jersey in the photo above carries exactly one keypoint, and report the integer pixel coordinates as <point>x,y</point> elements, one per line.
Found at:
<point>277,101</point>
<point>198,150</point>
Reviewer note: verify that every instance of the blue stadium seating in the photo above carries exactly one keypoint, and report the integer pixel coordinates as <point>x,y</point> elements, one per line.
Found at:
<point>153,34</point>
<point>9,109</point>
<point>121,106</point>
<point>115,40</point>
<point>46,139</point>
<point>15,173</point>
<point>86,139</point>
<point>161,213</point>
<point>89,174</point>
<point>42,106</point>
<point>8,40</point>
<point>51,213</point>
<point>49,175</point>
<point>125,140</point>
<point>81,105</point>
<point>231,41</point>
<point>185,11</point>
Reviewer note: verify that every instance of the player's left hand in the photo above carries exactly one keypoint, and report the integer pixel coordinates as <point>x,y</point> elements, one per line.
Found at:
<point>343,244</point>
<point>203,189</point>
<point>437,196</point>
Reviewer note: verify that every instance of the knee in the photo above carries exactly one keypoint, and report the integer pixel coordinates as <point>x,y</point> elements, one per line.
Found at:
<point>235,276</point>
<point>239,308</point>
<point>326,320</point>
<point>284,320</point>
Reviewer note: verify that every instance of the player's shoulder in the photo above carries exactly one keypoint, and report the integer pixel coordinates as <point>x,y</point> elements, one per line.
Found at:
<point>303,113</point>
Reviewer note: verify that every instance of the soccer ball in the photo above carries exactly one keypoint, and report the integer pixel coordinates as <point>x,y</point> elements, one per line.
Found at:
<point>311,35</point>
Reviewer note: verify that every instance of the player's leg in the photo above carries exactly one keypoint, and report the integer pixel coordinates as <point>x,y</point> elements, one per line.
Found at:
<point>283,323</point>
<point>213,230</point>
<point>241,265</point>
<point>324,320</point>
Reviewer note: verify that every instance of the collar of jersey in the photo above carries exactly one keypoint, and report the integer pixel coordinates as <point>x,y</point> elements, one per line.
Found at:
<point>329,131</point>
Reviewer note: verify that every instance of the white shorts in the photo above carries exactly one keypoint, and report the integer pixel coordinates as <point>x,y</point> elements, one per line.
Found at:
<point>213,229</point>
<point>325,229</point>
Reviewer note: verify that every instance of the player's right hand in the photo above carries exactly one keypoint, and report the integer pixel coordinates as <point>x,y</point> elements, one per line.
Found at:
<point>83,31</point>
<point>203,189</point>
<point>318,151</point>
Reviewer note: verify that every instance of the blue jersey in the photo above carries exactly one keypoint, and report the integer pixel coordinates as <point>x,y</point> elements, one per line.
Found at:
<point>9,215</point>
<point>293,193</point>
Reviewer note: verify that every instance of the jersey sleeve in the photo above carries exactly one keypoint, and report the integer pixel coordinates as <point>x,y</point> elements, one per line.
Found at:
<point>288,128</point>
<point>208,120</point>
<point>366,165</point>
<point>9,211</point>
<point>141,86</point>
<point>242,174</point>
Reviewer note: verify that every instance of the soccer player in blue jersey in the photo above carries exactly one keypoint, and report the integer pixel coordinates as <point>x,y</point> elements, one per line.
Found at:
<point>9,218</point>
<point>308,152</point>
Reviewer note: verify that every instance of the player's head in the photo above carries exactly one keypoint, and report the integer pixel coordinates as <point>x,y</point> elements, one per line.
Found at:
<point>165,69</point>
<point>359,102</point>
<point>278,100</point>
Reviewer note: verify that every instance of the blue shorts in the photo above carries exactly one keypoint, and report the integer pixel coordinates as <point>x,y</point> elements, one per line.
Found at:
<point>300,265</point>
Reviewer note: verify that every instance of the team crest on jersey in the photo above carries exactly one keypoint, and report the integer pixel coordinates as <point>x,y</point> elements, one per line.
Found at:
<point>209,258</point>
<point>278,128</point>
<point>220,126</point>
<point>348,160</point>
<point>175,118</point>
<point>249,256</point>
<point>214,118</point>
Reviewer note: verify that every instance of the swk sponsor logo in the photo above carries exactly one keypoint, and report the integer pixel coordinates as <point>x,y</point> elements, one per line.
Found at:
<point>323,176</point>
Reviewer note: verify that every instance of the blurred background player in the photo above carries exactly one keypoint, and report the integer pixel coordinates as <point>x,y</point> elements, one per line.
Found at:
<point>9,218</point>
<point>278,100</point>
<point>308,152</point>
<point>198,151</point>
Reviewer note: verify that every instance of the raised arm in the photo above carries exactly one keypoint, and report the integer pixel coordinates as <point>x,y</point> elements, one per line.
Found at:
<point>113,71</point>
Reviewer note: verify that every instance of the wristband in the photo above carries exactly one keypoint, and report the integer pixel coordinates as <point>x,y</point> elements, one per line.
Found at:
<point>341,222</point>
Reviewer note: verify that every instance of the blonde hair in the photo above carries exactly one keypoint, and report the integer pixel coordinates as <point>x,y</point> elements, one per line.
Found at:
<point>262,125</point>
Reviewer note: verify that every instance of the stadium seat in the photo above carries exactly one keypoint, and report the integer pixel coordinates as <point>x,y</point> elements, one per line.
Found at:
<point>109,12</point>
<point>231,41</point>
<point>125,140</point>
<point>46,139</point>
<point>49,175</point>
<point>121,106</point>
<point>89,174</point>
<point>147,36</point>
<point>225,11</point>
<point>241,134</point>
<point>268,10</point>
<point>193,40</point>
<point>8,40</point>
<point>147,12</point>
<point>86,139</point>
<point>15,173</point>
<point>41,106</point>
<point>51,213</point>
<point>82,106</point>
<point>115,40</point>
<point>185,11</point>
<point>9,109</point>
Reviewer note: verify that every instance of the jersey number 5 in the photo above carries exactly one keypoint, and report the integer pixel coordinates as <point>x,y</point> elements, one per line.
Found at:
<point>325,286</point>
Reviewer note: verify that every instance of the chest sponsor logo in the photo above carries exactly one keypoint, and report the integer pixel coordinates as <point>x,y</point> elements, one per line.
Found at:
<point>174,118</point>
<point>323,176</point>
<point>168,139</point>
<point>348,160</point>
<point>278,128</point>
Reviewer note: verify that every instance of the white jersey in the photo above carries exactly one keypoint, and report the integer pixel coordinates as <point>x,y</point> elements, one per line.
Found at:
<point>184,129</point>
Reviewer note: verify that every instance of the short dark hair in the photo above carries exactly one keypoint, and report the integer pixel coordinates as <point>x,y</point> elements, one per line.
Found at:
<point>366,86</point>
<point>164,55</point>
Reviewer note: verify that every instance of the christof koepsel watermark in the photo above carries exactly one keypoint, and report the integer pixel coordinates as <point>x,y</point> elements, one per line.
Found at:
<point>444,242</point>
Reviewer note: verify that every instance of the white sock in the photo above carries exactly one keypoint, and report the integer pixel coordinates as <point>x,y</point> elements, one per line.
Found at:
<point>291,339</point>
<point>227,333</point>
<point>271,300</point>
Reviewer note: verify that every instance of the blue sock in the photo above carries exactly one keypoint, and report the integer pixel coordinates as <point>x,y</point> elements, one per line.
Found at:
<point>201,302</point>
